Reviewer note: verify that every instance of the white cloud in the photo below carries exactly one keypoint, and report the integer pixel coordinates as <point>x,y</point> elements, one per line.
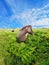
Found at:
<point>30,17</point>
<point>41,22</point>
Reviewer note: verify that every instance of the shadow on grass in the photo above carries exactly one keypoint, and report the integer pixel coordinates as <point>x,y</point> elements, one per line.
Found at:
<point>17,40</point>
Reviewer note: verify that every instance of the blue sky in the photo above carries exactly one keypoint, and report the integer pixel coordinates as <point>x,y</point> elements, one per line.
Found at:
<point>18,13</point>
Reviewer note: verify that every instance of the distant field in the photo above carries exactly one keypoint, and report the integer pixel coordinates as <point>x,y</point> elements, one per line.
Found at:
<point>35,51</point>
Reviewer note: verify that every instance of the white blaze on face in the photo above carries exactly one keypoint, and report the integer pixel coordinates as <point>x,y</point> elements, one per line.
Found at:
<point>26,34</point>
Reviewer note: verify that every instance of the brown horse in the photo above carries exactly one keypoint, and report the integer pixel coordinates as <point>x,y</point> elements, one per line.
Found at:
<point>23,33</point>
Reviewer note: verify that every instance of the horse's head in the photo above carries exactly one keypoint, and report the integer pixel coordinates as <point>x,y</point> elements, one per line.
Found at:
<point>29,29</point>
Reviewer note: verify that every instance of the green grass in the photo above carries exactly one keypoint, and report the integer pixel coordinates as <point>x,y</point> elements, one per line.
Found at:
<point>35,50</point>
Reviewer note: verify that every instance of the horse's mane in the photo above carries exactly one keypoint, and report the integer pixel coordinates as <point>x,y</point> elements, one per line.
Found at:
<point>25,27</point>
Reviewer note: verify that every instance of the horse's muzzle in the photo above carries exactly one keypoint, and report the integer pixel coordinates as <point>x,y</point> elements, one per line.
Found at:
<point>31,33</point>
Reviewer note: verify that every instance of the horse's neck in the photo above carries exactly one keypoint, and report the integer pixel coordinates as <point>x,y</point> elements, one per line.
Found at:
<point>23,32</point>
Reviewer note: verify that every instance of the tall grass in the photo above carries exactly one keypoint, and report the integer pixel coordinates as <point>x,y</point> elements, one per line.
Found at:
<point>34,51</point>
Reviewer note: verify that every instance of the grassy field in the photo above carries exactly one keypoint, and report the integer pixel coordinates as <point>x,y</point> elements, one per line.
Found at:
<point>34,51</point>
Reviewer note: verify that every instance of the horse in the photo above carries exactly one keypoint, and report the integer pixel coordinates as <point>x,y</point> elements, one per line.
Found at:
<point>23,33</point>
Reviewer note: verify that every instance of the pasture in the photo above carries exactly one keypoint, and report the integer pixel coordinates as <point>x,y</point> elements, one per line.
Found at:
<point>34,51</point>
